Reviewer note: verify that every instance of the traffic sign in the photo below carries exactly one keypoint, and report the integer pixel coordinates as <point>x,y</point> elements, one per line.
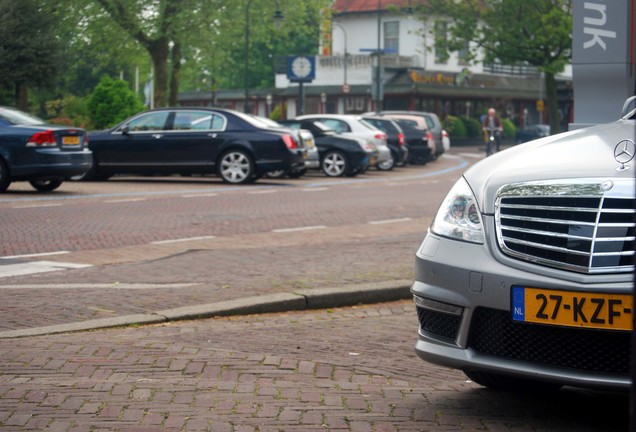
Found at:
<point>346,88</point>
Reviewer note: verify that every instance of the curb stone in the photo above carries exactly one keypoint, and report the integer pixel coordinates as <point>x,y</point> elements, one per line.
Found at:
<point>320,298</point>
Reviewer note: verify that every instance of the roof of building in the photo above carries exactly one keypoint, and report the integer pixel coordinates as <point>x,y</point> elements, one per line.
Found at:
<point>359,6</point>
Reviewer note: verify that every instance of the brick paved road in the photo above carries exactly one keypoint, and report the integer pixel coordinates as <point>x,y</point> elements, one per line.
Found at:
<point>245,255</point>
<point>350,369</point>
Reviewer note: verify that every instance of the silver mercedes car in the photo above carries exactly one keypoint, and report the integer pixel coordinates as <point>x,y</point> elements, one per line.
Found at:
<point>524,279</point>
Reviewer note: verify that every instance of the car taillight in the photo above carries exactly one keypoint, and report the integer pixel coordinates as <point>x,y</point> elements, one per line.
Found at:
<point>42,139</point>
<point>429,136</point>
<point>400,139</point>
<point>289,142</point>
<point>444,133</point>
<point>380,136</point>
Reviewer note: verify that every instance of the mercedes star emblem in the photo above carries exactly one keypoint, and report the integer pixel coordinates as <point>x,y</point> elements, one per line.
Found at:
<point>624,152</point>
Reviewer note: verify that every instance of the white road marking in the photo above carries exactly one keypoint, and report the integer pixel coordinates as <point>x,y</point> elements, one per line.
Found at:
<point>20,269</point>
<point>307,228</point>
<point>182,240</point>
<point>35,255</point>
<point>387,221</point>
<point>37,206</point>
<point>200,195</point>
<point>471,155</point>
<point>125,200</point>
<point>116,285</point>
<point>260,192</point>
<point>316,189</point>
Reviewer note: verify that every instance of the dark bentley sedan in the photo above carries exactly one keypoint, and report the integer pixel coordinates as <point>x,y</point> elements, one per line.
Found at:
<point>40,153</point>
<point>186,141</point>
<point>339,155</point>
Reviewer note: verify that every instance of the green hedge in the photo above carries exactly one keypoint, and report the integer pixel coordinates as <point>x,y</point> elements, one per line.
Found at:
<point>509,129</point>
<point>454,126</point>
<point>473,127</point>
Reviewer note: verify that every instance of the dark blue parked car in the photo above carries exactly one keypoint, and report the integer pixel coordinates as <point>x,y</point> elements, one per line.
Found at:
<point>40,153</point>
<point>235,146</point>
<point>532,132</point>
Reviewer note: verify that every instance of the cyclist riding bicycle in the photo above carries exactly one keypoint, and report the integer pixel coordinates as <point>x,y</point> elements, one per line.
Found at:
<point>492,132</point>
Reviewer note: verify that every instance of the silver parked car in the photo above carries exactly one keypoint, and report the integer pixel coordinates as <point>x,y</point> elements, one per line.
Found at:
<point>350,125</point>
<point>525,276</point>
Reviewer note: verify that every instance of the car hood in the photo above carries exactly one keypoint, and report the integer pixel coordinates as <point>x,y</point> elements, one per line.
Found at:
<point>583,153</point>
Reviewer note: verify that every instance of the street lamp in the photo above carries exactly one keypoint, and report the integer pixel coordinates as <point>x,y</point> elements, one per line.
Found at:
<point>268,101</point>
<point>277,18</point>
<point>323,101</point>
<point>344,32</point>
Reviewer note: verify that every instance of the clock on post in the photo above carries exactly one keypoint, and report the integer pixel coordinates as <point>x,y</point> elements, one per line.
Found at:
<point>301,68</point>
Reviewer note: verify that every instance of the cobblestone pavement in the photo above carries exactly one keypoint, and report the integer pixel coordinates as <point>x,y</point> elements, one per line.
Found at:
<point>349,369</point>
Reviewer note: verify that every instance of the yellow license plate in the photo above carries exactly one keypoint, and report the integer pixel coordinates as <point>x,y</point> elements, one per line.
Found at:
<point>71,140</point>
<point>572,309</point>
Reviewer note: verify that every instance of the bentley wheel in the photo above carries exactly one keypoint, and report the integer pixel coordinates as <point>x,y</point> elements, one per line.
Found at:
<point>236,167</point>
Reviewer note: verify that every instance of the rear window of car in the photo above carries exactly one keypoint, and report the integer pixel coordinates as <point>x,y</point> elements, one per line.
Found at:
<point>383,125</point>
<point>19,118</point>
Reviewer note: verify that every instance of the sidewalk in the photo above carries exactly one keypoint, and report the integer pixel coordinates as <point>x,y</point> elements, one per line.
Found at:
<point>277,302</point>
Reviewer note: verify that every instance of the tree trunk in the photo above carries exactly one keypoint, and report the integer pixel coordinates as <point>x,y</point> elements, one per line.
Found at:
<point>22,96</point>
<point>175,75</point>
<point>554,117</point>
<point>159,51</point>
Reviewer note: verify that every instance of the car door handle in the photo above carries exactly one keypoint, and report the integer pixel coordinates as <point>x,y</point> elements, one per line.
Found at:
<point>157,136</point>
<point>212,135</point>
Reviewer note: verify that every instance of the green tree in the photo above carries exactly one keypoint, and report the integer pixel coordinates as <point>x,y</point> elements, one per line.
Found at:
<point>535,32</point>
<point>159,26</point>
<point>29,49</point>
<point>111,102</point>
<point>93,46</point>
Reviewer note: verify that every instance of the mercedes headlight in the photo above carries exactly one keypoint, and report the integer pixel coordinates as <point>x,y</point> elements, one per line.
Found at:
<point>459,217</point>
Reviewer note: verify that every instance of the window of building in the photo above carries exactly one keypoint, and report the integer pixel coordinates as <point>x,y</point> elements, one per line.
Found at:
<point>464,54</point>
<point>392,37</point>
<point>441,42</point>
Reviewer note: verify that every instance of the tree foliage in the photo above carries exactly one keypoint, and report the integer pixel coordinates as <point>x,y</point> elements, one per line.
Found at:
<point>535,32</point>
<point>112,102</point>
<point>29,48</point>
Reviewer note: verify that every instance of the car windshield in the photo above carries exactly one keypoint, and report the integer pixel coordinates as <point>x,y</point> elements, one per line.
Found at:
<point>18,117</point>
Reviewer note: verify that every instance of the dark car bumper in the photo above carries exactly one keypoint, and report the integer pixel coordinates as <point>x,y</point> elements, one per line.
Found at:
<point>290,162</point>
<point>50,163</point>
<point>419,154</point>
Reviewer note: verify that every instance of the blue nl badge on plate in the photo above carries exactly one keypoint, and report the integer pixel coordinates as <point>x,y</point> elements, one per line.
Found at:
<point>518,303</point>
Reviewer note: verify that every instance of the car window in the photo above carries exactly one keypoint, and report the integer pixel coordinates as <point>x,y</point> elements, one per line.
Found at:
<point>155,121</point>
<point>368,125</point>
<point>197,120</point>
<point>336,125</point>
<point>430,122</point>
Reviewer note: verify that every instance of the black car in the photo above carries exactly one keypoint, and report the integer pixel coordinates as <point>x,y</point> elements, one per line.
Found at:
<point>532,132</point>
<point>187,141</point>
<point>434,126</point>
<point>339,155</point>
<point>394,137</point>
<point>417,140</point>
<point>40,153</point>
